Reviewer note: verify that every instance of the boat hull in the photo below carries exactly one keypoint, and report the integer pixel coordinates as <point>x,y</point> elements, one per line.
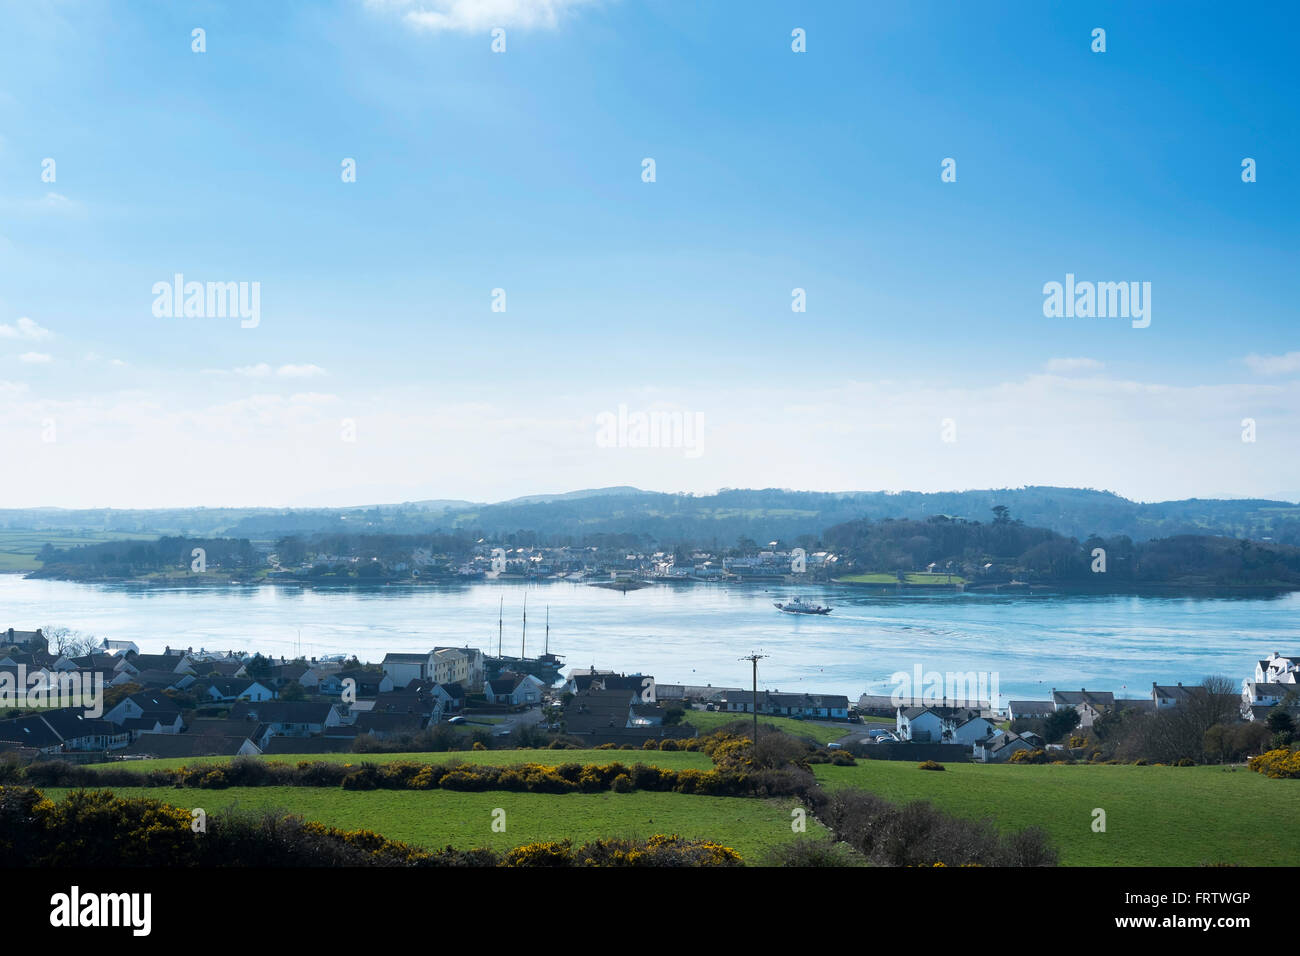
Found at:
<point>786,609</point>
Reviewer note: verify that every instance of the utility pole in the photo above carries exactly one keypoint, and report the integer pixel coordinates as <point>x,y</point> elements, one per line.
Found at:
<point>754,659</point>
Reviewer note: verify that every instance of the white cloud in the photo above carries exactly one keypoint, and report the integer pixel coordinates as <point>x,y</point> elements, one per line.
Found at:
<point>94,358</point>
<point>1273,364</point>
<point>260,370</point>
<point>51,202</point>
<point>1067,365</point>
<point>25,329</point>
<point>263,370</point>
<point>472,16</point>
<point>299,371</point>
<point>35,358</point>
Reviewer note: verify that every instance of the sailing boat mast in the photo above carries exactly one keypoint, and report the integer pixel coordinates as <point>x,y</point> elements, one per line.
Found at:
<point>500,612</point>
<point>547,647</point>
<point>523,640</point>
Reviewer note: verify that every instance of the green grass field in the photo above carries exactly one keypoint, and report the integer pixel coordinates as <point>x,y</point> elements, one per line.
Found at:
<point>19,546</point>
<point>710,720</point>
<point>1155,816</point>
<point>915,578</point>
<point>437,818</point>
<point>667,759</point>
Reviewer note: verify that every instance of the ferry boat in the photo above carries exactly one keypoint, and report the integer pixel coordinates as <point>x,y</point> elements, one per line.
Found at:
<point>799,606</point>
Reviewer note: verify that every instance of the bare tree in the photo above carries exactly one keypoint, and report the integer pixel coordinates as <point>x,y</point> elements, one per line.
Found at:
<point>1180,732</point>
<point>66,642</point>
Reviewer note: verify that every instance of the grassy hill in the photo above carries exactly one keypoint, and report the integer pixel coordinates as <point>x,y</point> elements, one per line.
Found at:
<point>1155,816</point>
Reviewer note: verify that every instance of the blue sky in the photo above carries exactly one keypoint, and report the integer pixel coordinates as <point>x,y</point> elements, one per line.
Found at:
<point>522,170</point>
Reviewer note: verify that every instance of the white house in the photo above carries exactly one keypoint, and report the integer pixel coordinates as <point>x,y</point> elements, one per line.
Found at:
<point>1090,704</point>
<point>1165,696</point>
<point>514,691</point>
<point>999,748</point>
<point>919,724</point>
<point>239,688</point>
<point>1264,694</point>
<point>298,718</point>
<point>971,730</point>
<point>404,668</point>
<point>1019,709</point>
<point>1277,669</point>
<point>142,705</point>
<point>942,725</point>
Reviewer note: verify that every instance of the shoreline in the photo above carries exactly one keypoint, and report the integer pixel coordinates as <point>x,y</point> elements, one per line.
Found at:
<point>1171,589</point>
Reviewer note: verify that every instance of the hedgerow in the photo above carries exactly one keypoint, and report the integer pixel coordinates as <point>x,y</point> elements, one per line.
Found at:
<point>736,779</point>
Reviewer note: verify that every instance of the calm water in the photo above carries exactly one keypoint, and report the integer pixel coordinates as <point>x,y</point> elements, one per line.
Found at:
<point>695,633</point>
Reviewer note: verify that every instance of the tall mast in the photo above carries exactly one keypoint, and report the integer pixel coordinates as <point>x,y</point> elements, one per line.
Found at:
<point>547,649</point>
<point>523,640</point>
<point>500,611</point>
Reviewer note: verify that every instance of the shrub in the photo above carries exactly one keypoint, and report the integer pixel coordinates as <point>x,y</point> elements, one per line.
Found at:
<point>931,765</point>
<point>93,828</point>
<point>540,854</point>
<point>321,774</point>
<point>365,777</point>
<point>1277,764</point>
<point>1030,756</point>
<point>917,834</point>
<point>814,852</point>
<point>214,779</point>
<point>658,851</point>
<point>10,769</point>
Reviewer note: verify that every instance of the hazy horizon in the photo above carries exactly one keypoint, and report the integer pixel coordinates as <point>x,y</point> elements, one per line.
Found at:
<point>602,491</point>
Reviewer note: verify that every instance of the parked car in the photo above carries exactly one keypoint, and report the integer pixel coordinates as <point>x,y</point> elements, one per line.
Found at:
<point>456,720</point>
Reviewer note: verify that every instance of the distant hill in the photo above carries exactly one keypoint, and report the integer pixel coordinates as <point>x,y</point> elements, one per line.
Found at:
<point>761,515</point>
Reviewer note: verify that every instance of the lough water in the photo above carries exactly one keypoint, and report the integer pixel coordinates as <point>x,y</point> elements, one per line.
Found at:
<point>695,633</point>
